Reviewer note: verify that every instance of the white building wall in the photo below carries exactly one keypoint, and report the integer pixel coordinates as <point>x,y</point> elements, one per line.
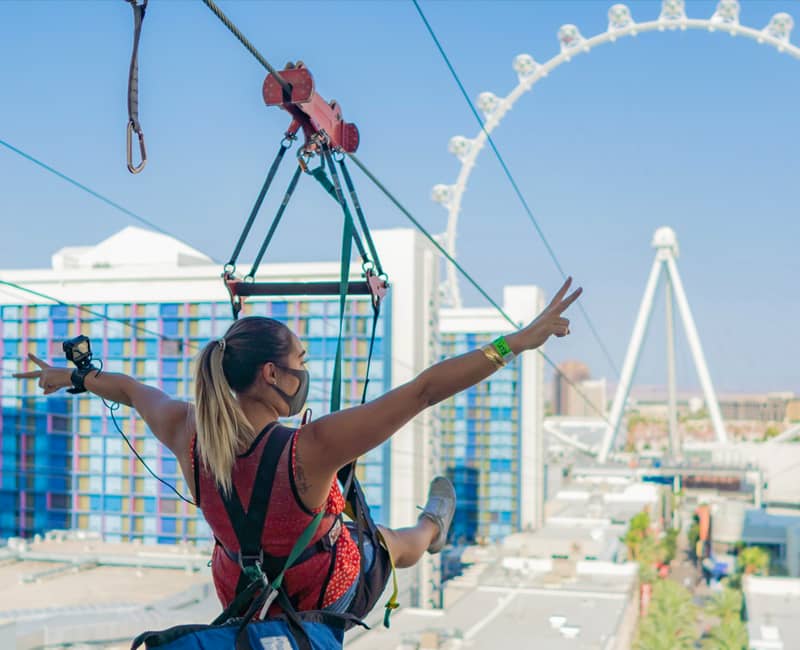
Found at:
<point>522,304</point>
<point>136,265</point>
<point>413,266</point>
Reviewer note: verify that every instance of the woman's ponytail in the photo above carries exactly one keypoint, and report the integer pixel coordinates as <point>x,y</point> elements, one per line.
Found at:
<point>221,423</point>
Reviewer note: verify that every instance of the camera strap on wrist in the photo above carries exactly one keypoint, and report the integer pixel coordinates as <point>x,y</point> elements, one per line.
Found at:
<point>78,376</point>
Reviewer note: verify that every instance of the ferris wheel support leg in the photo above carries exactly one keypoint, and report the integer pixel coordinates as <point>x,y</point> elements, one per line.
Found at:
<point>697,351</point>
<point>672,410</point>
<point>631,361</point>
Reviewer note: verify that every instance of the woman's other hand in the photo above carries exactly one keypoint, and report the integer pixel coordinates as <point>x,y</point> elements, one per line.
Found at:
<point>550,322</point>
<point>50,378</point>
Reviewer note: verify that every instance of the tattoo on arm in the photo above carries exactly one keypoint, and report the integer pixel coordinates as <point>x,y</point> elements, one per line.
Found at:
<point>300,479</point>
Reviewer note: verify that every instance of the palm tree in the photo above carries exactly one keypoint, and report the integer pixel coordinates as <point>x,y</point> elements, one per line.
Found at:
<point>638,531</point>
<point>731,635</point>
<point>693,535</point>
<point>670,623</point>
<point>726,605</point>
<point>754,560</point>
<point>669,545</point>
<point>647,556</point>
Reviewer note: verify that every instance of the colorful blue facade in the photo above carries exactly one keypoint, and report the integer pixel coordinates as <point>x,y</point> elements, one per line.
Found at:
<point>63,464</point>
<point>481,448</point>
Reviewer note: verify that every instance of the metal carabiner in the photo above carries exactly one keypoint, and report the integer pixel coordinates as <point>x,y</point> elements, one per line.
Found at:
<point>134,169</point>
<point>304,156</point>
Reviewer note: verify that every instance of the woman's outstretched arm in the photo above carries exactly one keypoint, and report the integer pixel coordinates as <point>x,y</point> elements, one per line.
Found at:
<point>167,418</point>
<point>336,439</point>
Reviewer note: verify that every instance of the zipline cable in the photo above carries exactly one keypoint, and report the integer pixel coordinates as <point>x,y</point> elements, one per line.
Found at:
<point>287,88</point>
<point>514,184</point>
<point>469,278</point>
<point>89,190</point>
<point>87,310</point>
<point>251,48</point>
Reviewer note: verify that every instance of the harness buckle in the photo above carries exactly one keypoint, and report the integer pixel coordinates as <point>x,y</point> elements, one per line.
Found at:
<point>378,287</point>
<point>332,536</point>
<point>253,560</point>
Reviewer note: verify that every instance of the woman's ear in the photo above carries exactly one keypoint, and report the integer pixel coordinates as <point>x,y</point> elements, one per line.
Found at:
<point>268,373</point>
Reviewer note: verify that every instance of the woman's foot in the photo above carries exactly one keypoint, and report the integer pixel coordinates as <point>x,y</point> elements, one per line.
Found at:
<point>440,508</point>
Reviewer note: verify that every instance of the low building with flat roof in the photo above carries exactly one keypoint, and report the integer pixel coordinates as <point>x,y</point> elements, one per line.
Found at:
<point>68,588</point>
<point>771,606</point>
<point>561,586</point>
<point>508,599</point>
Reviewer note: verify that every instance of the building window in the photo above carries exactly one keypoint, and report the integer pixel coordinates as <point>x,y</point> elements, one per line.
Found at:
<point>113,504</point>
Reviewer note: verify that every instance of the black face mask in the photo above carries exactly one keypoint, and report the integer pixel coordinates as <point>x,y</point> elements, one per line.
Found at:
<point>297,401</point>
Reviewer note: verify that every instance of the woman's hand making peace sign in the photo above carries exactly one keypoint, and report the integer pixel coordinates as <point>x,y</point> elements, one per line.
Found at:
<point>50,377</point>
<point>550,322</point>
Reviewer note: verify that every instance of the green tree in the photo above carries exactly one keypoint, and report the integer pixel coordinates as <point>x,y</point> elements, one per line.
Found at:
<point>730,633</point>
<point>648,554</point>
<point>770,432</point>
<point>753,560</point>
<point>669,545</point>
<point>670,623</point>
<point>728,636</point>
<point>638,531</point>
<point>693,534</point>
<point>725,605</point>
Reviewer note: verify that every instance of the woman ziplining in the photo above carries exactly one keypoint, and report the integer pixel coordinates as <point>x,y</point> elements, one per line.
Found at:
<point>288,570</point>
<point>270,493</point>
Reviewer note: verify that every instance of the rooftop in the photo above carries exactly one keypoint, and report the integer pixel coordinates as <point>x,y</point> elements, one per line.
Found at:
<point>72,587</point>
<point>772,605</point>
<point>508,600</point>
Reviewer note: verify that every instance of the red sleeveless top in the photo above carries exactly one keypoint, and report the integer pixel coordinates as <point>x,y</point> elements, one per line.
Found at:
<point>286,520</point>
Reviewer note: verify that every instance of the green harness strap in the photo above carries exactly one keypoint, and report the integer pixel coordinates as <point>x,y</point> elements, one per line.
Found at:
<point>344,280</point>
<point>258,580</point>
<point>348,232</point>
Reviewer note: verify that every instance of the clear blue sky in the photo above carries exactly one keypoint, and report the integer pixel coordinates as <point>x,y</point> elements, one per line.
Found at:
<point>694,130</point>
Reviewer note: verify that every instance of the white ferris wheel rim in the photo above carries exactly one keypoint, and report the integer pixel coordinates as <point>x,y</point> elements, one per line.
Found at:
<point>673,17</point>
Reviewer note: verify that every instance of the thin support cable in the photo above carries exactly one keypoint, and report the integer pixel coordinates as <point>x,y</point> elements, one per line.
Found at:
<point>513,182</point>
<point>98,314</point>
<point>470,279</point>
<point>88,190</point>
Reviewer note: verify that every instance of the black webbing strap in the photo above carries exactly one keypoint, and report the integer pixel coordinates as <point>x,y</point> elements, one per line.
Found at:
<point>133,90</point>
<point>361,218</point>
<point>285,143</point>
<point>296,628</point>
<point>322,178</point>
<point>272,564</point>
<point>275,222</point>
<point>249,525</point>
<point>376,313</point>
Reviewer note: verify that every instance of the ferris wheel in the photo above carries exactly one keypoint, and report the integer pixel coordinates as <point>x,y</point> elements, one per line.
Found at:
<point>572,43</point>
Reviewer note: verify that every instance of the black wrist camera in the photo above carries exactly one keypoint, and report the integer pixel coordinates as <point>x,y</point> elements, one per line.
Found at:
<point>79,352</point>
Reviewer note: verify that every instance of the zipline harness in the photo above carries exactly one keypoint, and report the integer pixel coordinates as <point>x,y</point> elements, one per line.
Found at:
<point>327,137</point>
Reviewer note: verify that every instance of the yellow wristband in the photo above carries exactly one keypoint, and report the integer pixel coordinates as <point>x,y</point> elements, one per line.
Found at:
<point>490,353</point>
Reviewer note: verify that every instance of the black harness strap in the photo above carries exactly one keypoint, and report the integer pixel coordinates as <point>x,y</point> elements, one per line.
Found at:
<point>133,90</point>
<point>249,526</point>
<point>272,564</point>
<point>361,218</point>
<point>275,222</point>
<point>231,265</point>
